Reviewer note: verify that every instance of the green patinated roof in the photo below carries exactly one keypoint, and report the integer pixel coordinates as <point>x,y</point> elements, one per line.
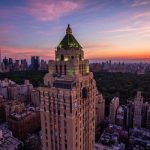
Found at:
<point>69,40</point>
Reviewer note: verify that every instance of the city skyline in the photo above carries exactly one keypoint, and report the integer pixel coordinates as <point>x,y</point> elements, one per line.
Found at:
<point>107,29</point>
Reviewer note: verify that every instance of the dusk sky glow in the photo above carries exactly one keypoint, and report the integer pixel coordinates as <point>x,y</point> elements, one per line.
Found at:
<point>106,29</point>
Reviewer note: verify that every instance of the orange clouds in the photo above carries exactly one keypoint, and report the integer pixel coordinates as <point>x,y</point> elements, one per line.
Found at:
<point>110,51</point>
<point>20,53</point>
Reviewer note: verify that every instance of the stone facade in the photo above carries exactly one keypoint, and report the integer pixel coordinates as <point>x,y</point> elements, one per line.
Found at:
<point>68,100</point>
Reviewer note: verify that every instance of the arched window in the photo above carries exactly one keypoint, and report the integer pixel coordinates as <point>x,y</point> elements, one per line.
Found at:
<point>62,57</point>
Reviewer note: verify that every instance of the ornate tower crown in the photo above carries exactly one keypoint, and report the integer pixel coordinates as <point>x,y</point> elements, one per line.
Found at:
<point>69,40</point>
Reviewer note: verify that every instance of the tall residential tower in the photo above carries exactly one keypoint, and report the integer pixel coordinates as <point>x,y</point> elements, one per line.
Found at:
<point>138,103</point>
<point>68,99</point>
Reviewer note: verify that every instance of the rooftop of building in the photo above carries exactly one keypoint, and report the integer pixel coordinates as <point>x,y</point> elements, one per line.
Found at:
<point>113,134</point>
<point>9,83</point>
<point>7,141</point>
<point>21,115</point>
<point>69,40</point>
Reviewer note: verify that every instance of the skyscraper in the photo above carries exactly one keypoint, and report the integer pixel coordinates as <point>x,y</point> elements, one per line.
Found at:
<point>114,104</point>
<point>138,104</point>
<point>148,118</point>
<point>100,109</point>
<point>68,99</point>
<point>35,63</point>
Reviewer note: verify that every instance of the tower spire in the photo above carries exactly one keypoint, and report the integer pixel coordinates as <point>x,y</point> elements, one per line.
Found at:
<point>68,30</point>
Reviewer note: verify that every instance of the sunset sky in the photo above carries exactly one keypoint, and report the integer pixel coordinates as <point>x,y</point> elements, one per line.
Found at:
<point>106,29</point>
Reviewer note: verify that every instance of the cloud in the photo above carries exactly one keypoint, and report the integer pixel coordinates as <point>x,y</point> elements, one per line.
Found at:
<point>142,15</point>
<point>51,10</point>
<point>138,3</point>
<point>141,31</point>
<point>42,10</point>
<point>123,29</point>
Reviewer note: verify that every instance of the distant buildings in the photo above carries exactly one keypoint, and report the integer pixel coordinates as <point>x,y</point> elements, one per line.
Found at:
<point>138,104</point>
<point>35,97</point>
<point>2,110</point>
<point>100,109</point>
<point>121,116</point>
<point>35,63</point>
<point>112,109</point>
<point>8,141</point>
<point>135,114</point>
<point>108,66</point>
<point>12,91</point>
<point>13,106</point>
<point>148,118</point>
<point>10,65</point>
<point>139,139</point>
<point>16,110</point>
<point>22,124</point>
<point>114,136</point>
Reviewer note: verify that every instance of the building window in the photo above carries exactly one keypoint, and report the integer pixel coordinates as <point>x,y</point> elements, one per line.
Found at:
<point>84,93</point>
<point>58,112</point>
<point>65,69</point>
<point>65,123</point>
<point>60,69</point>
<point>64,114</point>
<point>46,144</point>
<point>80,57</point>
<point>65,131</point>
<point>56,68</point>
<point>62,57</point>
<point>65,145</point>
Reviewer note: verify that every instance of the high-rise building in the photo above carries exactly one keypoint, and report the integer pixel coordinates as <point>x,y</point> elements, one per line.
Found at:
<point>35,62</point>
<point>23,124</point>
<point>121,116</point>
<point>2,110</point>
<point>138,104</point>
<point>130,114</point>
<point>148,118</point>
<point>144,114</point>
<point>68,100</point>
<point>100,109</point>
<point>114,104</point>
<point>35,97</point>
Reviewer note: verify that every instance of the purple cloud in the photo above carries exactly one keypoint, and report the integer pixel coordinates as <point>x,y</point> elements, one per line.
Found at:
<point>43,10</point>
<point>137,3</point>
<point>51,10</point>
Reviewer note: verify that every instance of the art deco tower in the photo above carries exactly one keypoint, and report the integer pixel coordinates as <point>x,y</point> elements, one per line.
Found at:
<point>68,99</point>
